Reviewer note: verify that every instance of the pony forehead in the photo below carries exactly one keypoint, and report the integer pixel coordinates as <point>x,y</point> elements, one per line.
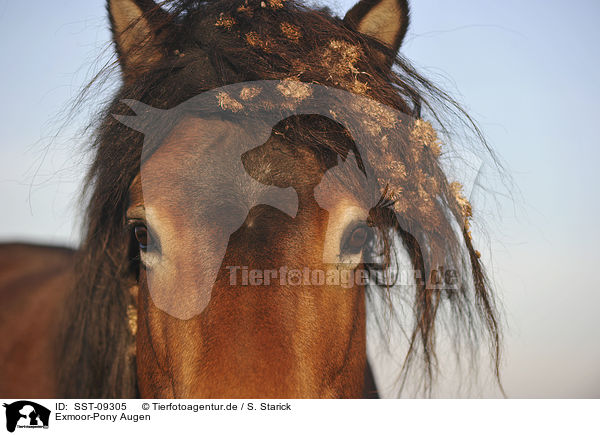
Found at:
<point>402,151</point>
<point>202,133</point>
<point>391,141</point>
<point>262,104</point>
<point>218,158</point>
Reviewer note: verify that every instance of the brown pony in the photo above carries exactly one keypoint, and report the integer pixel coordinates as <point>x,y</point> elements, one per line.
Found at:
<point>253,181</point>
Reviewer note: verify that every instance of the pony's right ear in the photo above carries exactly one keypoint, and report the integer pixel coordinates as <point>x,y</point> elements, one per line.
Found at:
<point>139,29</point>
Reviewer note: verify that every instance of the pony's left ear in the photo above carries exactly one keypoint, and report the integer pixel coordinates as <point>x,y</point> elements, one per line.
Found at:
<point>139,28</point>
<point>384,20</point>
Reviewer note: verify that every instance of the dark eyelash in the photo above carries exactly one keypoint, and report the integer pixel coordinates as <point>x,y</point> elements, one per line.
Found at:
<point>130,224</point>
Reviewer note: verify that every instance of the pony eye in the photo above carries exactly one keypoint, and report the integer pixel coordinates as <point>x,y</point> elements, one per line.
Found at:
<point>355,242</point>
<point>142,237</point>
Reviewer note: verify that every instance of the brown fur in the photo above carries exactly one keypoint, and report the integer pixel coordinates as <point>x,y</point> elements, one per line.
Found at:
<point>34,281</point>
<point>250,341</point>
<point>270,342</point>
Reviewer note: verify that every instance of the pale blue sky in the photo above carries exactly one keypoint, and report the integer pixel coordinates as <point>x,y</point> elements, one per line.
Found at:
<point>527,71</point>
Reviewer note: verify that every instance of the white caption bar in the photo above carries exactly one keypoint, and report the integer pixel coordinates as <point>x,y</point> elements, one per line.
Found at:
<point>299,416</point>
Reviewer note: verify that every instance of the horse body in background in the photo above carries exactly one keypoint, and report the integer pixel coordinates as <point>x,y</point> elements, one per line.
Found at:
<point>34,284</point>
<point>183,286</point>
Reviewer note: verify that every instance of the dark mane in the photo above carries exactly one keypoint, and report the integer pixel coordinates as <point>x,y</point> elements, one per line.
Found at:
<point>213,44</point>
